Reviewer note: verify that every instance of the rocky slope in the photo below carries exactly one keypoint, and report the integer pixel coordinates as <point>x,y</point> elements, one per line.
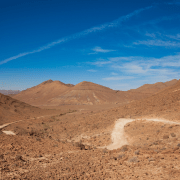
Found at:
<point>42,93</point>
<point>165,103</point>
<point>154,88</point>
<point>56,93</point>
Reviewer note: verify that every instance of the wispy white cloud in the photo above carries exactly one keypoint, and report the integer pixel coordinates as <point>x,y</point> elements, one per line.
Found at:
<point>176,37</point>
<point>118,78</point>
<point>158,42</point>
<point>98,49</point>
<point>111,60</point>
<point>112,24</point>
<point>131,68</point>
<point>101,62</point>
<point>92,70</point>
<point>138,63</point>
<point>114,74</point>
<point>153,35</point>
<point>145,68</point>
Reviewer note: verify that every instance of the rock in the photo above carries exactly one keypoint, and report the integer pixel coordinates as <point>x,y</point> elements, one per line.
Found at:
<point>87,147</point>
<point>176,148</point>
<point>121,156</point>
<point>166,136</point>
<point>133,159</point>
<point>115,158</point>
<point>173,135</point>
<point>178,144</point>
<point>136,152</point>
<point>1,156</point>
<point>80,145</point>
<point>19,157</point>
<point>124,148</point>
<point>156,143</point>
<point>105,150</point>
<point>156,150</point>
<point>151,159</point>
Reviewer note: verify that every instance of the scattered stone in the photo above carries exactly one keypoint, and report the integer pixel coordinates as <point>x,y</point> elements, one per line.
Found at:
<point>173,135</point>
<point>165,136</point>
<point>115,158</point>
<point>14,165</point>
<point>176,148</point>
<point>80,145</point>
<point>156,150</point>
<point>38,139</point>
<point>124,148</point>
<point>19,157</point>
<point>121,156</point>
<point>105,150</point>
<point>1,156</point>
<point>133,159</point>
<point>87,147</point>
<point>151,159</point>
<point>136,152</point>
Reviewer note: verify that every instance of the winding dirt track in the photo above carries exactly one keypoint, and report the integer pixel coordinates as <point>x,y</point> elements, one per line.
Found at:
<point>7,124</point>
<point>118,137</point>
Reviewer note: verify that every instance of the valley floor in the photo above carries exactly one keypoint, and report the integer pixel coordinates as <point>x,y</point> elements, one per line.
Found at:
<point>90,144</point>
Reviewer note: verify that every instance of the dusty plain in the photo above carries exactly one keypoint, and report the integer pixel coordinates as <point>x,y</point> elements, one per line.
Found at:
<point>121,138</point>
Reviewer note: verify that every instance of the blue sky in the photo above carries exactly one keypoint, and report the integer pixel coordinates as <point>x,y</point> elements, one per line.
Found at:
<point>118,44</point>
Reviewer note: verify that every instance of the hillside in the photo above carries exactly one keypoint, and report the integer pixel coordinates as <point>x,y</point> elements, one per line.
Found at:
<point>154,88</point>
<point>42,93</point>
<point>56,93</point>
<point>86,93</point>
<point>11,109</point>
<point>165,103</point>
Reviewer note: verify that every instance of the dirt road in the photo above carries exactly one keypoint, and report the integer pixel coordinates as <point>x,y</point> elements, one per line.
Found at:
<point>118,137</point>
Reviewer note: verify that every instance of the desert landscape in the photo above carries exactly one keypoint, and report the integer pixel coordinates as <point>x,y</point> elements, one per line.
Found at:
<point>90,90</point>
<point>88,131</point>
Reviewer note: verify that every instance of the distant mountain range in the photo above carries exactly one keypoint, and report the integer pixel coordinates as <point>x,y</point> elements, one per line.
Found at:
<point>8,92</point>
<point>55,93</point>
